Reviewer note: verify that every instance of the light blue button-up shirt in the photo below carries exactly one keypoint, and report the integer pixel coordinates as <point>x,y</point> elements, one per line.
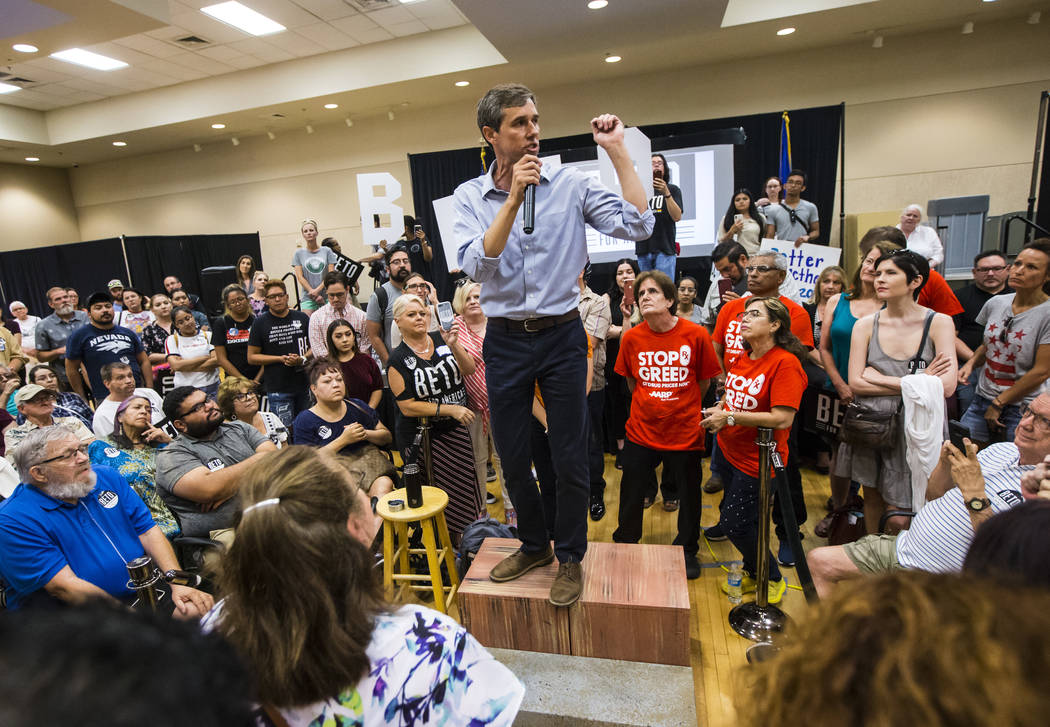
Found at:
<point>536,274</point>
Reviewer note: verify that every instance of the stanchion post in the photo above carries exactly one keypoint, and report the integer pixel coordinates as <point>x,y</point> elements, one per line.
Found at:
<point>758,620</point>
<point>428,467</point>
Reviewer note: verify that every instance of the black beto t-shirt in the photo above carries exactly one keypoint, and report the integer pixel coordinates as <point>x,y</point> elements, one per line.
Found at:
<point>436,380</point>
<point>414,248</point>
<point>662,239</point>
<point>279,336</point>
<point>234,336</point>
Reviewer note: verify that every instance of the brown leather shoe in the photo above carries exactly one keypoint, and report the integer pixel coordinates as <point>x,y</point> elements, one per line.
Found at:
<point>567,585</point>
<point>519,563</point>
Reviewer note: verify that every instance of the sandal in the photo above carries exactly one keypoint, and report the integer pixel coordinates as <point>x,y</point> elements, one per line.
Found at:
<point>647,503</point>
<point>670,505</point>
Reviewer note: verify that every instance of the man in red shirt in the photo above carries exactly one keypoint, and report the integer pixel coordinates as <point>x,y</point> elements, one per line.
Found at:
<point>668,363</point>
<point>765,272</point>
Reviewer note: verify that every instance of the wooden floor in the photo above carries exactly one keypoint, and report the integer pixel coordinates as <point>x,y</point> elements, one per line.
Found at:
<point>717,652</point>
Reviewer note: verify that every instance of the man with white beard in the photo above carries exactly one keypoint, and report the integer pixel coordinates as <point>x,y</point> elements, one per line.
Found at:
<point>51,333</point>
<point>68,531</point>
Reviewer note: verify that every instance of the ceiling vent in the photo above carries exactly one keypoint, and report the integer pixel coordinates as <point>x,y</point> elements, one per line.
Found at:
<point>369,5</point>
<point>193,42</point>
<point>16,80</point>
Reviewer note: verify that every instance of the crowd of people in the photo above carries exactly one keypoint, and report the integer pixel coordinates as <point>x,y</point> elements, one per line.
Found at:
<point>271,429</point>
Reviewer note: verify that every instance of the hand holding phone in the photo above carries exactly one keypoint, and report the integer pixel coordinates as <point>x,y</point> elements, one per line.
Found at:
<point>628,292</point>
<point>956,432</point>
<point>725,285</point>
<point>445,315</point>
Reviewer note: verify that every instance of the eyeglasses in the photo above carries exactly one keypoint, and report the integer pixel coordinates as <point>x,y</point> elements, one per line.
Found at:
<point>82,449</point>
<point>336,296</point>
<point>753,313</point>
<point>197,407</point>
<point>416,286</point>
<point>243,396</point>
<point>276,296</point>
<point>1004,334</point>
<point>1040,421</point>
<point>760,269</point>
<point>992,269</point>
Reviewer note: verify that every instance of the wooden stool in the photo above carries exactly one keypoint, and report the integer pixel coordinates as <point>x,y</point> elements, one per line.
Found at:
<point>431,519</point>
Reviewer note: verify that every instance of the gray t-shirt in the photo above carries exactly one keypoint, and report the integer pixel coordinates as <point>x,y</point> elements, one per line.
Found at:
<point>1011,344</point>
<point>387,317</point>
<point>314,263</point>
<point>233,443</point>
<point>788,227</point>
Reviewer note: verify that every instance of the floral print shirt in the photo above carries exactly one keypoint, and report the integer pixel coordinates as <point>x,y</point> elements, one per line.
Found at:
<point>426,670</point>
<point>139,468</point>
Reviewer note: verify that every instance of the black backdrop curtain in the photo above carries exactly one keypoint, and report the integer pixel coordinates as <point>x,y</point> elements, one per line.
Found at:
<point>814,149</point>
<point>87,266</point>
<point>152,258</point>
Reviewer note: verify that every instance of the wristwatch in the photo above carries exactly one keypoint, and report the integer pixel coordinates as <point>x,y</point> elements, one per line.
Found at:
<point>978,504</point>
<point>731,421</point>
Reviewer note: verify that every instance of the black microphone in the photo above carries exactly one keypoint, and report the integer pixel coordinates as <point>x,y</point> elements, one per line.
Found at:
<point>529,213</point>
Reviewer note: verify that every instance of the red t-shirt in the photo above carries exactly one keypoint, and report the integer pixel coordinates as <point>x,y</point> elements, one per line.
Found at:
<point>727,326</point>
<point>667,368</point>
<point>937,295</point>
<point>776,379</point>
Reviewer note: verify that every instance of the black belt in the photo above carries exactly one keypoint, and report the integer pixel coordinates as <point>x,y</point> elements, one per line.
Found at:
<point>533,325</point>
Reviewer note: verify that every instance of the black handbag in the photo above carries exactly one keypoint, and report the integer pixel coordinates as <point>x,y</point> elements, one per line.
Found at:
<point>864,426</point>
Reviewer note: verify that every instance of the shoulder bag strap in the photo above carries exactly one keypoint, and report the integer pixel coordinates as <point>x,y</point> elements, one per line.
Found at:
<point>918,354</point>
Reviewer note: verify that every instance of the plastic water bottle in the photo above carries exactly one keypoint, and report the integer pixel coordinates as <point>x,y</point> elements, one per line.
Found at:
<point>734,580</point>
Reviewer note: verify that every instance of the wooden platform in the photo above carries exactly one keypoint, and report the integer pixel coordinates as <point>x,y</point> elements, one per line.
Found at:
<point>634,605</point>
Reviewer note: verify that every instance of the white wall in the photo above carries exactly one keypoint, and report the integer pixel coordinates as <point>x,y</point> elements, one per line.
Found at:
<point>927,116</point>
<point>36,207</point>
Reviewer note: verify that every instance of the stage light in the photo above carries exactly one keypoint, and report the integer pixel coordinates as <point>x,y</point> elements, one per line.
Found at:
<point>243,18</point>
<point>86,58</point>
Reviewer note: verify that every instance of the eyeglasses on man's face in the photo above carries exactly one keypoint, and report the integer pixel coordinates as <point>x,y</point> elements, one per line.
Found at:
<point>1041,421</point>
<point>197,407</point>
<point>760,269</point>
<point>82,449</point>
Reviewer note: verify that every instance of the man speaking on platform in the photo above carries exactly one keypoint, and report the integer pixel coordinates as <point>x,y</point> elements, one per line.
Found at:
<point>529,295</point>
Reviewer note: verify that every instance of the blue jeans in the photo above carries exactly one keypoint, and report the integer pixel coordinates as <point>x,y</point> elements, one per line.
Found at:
<point>658,261</point>
<point>973,419</point>
<point>287,404</point>
<point>556,357</point>
<point>964,393</point>
<point>739,514</point>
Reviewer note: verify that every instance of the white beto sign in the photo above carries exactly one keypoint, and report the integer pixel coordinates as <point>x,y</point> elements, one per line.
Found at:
<point>805,261</point>
<point>641,152</point>
<point>381,219</point>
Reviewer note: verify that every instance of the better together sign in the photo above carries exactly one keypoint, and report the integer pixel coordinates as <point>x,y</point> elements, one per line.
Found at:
<point>804,262</point>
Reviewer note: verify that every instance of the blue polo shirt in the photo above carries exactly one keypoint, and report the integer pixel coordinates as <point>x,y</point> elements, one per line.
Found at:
<point>40,535</point>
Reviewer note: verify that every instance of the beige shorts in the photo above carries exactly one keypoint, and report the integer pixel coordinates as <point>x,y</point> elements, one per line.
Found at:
<point>874,553</point>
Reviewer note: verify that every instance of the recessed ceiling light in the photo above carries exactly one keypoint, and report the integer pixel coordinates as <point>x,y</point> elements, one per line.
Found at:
<point>243,18</point>
<point>120,143</point>
<point>25,48</point>
<point>331,105</point>
<point>461,84</point>
<point>597,4</point>
<point>609,58</point>
<point>409,2</point>
<point>218,126</point>
<point>32,159</point>
<point>9,88</point>
<point>91,60</point>
<point>785,31</point>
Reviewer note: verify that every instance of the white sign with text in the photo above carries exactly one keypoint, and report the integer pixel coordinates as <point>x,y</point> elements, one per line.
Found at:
<point>804,262</point>
<point>381,219</point>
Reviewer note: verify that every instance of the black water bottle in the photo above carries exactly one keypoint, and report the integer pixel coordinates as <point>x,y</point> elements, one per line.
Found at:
<point>414,485</point>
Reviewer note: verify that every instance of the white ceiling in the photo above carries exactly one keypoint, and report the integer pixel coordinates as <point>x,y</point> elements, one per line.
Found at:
<point>373,56</point>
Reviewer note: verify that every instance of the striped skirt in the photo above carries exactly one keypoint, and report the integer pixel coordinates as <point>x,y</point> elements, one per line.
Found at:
<point>452,458</point>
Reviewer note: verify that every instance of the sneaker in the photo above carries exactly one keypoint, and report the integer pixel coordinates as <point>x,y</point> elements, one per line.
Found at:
<point>785,554</point>
<point>715,533</point>
<point>713,484</point>
<point>490,475</point>
<point>597,507</point>
<point>519,563</point>
<point>692,567</point>
<point>747,584</point>
<point>490,499</point>
<point>567,585</point>
<point>777,589</point>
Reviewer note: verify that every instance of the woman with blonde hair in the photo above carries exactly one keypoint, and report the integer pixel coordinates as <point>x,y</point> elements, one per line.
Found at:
<point>304,608</point>
<point>310,263</point>
<point>257,298</point>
